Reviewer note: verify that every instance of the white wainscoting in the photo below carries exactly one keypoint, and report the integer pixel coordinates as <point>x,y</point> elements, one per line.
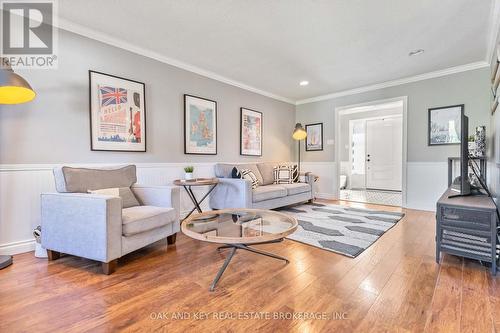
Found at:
<point>327,181</point>
<point>426,182</point>
<point>21,185</point>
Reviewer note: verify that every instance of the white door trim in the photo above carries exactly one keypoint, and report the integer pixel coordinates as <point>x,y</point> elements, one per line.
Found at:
<point>347,109</point>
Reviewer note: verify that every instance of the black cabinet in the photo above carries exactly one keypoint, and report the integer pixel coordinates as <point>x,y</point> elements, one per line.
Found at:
<point>467,227</point>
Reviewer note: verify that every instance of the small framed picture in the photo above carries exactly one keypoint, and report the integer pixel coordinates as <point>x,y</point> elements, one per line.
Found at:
<point>314,139</point>
<point>200,126</point>
<point>250,132</point>
<point>117,113</point>
<point>444,127</point>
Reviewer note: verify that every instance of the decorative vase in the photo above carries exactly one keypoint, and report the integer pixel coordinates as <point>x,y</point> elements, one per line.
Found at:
<point>480,140</point>
<point>40,252</point>
<point>188,175</point>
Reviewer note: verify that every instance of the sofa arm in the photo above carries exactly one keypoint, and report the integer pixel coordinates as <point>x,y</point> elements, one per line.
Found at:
<point>159,196</point>
<point>85,225</point>
<point>231,193</point>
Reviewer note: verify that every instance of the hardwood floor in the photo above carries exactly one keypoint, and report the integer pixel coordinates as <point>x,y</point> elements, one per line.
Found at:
<point>394,286</point>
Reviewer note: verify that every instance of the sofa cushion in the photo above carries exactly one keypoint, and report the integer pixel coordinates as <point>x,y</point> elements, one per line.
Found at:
<point>81,180</point>
<point>268,192</point>
<point>267,171</point>
<point>125,193</point>
<point>224,170</point>
<point>296,188</point>
<point>143,218</point>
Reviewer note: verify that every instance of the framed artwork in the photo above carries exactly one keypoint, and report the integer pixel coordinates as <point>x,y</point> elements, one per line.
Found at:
<point>445,125</point>
<point>314,138</point>
<point>250,132</point>
<point>200,126</point>
<point>117,113</point>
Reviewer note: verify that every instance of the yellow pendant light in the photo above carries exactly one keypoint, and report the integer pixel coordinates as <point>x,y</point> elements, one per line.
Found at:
<point>13,88</point>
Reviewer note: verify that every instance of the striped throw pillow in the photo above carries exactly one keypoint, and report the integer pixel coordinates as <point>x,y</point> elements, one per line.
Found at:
<point>249,175</point>
<point>286,174</point>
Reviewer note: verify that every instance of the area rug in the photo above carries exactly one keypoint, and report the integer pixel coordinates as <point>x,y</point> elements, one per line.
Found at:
<point>341,229</point>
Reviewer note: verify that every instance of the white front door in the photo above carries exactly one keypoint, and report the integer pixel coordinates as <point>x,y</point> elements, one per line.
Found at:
<point>384,156</point>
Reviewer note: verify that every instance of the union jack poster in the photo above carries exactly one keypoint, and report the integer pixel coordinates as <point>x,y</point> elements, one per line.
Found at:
<point>117,113</point>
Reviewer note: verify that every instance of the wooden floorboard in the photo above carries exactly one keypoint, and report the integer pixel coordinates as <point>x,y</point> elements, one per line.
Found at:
<point>393,286</point>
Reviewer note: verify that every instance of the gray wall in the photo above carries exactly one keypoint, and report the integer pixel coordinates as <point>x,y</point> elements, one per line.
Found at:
<point>54,128</point>
<point>470,88</point>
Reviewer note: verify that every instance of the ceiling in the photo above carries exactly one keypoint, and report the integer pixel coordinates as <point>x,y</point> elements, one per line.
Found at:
<point>269,46</point>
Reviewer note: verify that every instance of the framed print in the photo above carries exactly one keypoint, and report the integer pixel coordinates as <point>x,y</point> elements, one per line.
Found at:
<point>445,125</point>
<point>314,138</point>
<point>117,113</point>
<point>250,132</point>
<point>200,126</point>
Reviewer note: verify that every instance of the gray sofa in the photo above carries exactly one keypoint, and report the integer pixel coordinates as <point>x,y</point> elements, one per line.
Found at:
<point>95,226</point>
<point>238,193</point>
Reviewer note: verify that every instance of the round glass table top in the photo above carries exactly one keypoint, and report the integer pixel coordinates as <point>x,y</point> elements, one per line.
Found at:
<point>239,226</point>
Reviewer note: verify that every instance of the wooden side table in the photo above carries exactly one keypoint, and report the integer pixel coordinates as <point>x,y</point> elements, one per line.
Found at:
<point>188,184</point>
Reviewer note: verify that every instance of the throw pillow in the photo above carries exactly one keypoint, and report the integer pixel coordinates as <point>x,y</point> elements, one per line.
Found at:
<point>285,174</point>
<point>295,173</point>
<point>235,173</point>
<point>249,175</point>
<point>128,197</point>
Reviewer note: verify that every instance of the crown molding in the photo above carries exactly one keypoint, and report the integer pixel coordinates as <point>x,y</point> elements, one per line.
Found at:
<point>387,84</point>
<point>107,39</point>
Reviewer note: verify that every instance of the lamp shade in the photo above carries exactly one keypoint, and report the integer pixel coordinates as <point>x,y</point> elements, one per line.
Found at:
<point>299,133</point>
<point>13,88</point>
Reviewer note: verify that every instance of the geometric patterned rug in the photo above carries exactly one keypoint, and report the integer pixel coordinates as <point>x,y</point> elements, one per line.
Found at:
<point>341,229</point>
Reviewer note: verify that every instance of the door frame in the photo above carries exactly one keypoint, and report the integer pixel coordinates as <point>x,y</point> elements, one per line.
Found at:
<point>347,109</point>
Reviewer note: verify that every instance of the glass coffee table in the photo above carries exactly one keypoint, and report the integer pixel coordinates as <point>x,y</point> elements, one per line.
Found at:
<point>239,228</point>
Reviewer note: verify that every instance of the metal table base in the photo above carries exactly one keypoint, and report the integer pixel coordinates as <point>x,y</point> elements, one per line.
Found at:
<point>196,203</point>
<point>234,247</point>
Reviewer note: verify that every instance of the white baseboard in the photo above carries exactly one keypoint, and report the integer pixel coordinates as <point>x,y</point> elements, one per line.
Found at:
<point>17,247</point>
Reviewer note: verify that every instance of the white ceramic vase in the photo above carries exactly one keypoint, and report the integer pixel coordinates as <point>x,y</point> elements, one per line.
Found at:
<point>188,175</point>
<point>40,252</point>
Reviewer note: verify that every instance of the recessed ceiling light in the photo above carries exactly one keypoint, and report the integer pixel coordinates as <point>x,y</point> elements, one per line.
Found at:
<point>304,83</point>
<point>416,52</point>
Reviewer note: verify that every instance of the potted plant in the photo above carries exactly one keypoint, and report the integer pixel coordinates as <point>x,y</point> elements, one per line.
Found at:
<point>188,172</point>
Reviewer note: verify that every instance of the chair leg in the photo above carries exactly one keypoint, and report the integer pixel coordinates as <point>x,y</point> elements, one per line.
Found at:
<point>171,239</point>
<point>53,255</point>
<point>109,267</point>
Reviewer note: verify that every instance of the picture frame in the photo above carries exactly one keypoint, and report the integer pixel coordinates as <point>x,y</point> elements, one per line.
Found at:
<point>444,125</point>
<point>314,138</point>
<point>200,125</point>
<point>251,132</point>
<point>117,112</point>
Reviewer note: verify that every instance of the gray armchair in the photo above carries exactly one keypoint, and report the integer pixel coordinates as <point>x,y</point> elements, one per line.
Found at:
<point>95,226</point>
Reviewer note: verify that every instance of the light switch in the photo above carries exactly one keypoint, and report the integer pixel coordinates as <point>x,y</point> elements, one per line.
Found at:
<point>330,142</point>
